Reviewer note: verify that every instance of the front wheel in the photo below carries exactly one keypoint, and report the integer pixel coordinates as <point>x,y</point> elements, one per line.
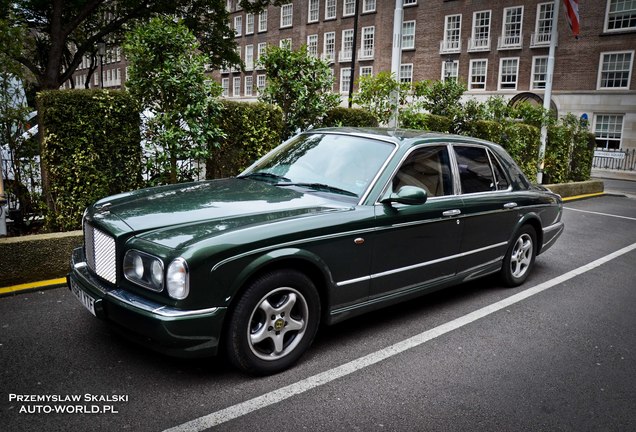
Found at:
<point>273,323</point>
<point>520,256</point>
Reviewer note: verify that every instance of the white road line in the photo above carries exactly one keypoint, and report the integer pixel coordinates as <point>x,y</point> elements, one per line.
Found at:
<point>601,214</point>
<point>276,396</point>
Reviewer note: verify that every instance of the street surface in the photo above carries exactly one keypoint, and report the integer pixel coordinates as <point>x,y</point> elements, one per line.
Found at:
<point>556,354</point>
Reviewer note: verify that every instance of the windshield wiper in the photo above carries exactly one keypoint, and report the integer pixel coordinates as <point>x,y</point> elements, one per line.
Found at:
<point>321,187</point>
<point>265,175</point>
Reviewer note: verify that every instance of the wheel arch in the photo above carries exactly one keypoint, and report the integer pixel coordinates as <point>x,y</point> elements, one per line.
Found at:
<point>534,221</point>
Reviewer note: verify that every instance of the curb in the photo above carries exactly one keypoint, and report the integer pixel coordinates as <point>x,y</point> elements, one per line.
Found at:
<point>33,286</point>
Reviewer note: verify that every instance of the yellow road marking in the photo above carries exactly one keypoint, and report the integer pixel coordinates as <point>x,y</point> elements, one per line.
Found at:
<point>576,197</point>
<point>32,285</point>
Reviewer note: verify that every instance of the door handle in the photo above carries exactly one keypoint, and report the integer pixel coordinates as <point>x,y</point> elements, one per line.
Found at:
<point>453,212</point>
<point>510,205</point>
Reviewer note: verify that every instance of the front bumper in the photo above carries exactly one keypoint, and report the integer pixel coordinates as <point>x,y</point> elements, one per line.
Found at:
<point>177,332</point>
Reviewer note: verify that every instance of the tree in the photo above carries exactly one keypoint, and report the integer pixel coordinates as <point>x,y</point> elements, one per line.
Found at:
<point>60,33</point>
<point>300,84</point>
<point>376,95</point>
<point>167,78</point>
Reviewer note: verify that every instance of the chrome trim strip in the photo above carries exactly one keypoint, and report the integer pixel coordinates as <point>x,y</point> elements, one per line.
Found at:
<point>424,264</point>
<point>145,305</point>
<point>553,227</point>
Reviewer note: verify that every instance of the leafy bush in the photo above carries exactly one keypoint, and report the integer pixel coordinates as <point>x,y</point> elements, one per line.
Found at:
<point>251,130</point>
<point>569,151</point>
<point>376,94</point>
<point>353,117</point>
<point>91,149</point>
<point>426,122</point>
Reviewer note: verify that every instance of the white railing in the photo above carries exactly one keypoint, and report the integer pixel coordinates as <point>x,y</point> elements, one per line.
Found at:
<point>509,42</point>
<point>450,46</point>
<point>345,55</point>
<point>475,44</point>
<point>539,40</point>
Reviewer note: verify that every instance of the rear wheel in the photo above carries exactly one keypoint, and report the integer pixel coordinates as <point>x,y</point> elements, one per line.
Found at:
<point>520,256</point>
<point>273,323</point>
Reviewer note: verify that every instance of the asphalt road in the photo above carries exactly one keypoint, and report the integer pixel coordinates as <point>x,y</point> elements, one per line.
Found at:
<point>557,354</point>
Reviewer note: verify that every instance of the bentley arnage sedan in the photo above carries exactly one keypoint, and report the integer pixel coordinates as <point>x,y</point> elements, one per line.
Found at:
<point>329,225</point>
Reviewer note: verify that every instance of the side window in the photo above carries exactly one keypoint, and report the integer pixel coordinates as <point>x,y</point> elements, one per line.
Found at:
<point>500,176</point>
<point>475,172</point>
<point>427,168</point>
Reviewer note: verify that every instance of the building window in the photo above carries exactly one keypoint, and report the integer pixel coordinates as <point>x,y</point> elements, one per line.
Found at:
<point>329,47</point>
<point>249,57</point>
<point>249,81</point>
<point>260,83</point>
<point>368,42</point>
<point>262,47</point>
<point>543,29</point>
<point>511,30</point>
<point>366,71</point>
<point>406,73</point>
<point>450,70</point>
<point>286,15</point>
<point>345,79</point>
<point>539,72</point>
<point>409,2</point>
<point>368,6</point>
<point>477,74</point>
<point>236,88</point>
<point>508,73</point>
<point>621,15</point>
<point>615,70</point>
<point>312,45</point>
<point>330,9</point>
<point>608,130</point>
<point>285,43</point>
<point>348,7</point>
<point>249,23</point>
<point>314,11</point>
<point>346,47</point>
<point>238,25</point>
<point>408,35</point>
<point>262,21</point>
<point>452,34</point>
<point>480,39</point>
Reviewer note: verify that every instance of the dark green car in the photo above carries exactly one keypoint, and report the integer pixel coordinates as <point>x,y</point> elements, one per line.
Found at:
<point>331,224</point>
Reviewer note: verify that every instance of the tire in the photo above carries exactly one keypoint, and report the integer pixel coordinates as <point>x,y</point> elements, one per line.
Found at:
<point>273,323</point>
<point>519,259</point>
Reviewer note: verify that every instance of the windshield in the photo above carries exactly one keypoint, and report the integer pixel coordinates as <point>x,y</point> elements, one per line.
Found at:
<point>332,163</point>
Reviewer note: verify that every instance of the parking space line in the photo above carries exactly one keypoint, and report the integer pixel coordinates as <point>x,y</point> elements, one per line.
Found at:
<point>281,394</point>
<point>600,214</point>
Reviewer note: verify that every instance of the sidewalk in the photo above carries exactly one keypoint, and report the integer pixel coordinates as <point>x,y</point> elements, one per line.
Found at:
<point>613,174</point>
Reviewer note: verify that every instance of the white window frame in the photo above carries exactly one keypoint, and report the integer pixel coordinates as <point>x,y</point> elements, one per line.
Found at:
<point>511,31</point>
<point>366,71</point>
<point>285,43</point>
<point>454,72</point>
<point>452,42</point>
<point>368,6</point>
<point>607,132</point>
<point>249,85</point>
<point>367,47</point>
<point>480,38</point>
<point>249,23</point>
<point>348,8</point>
<point>329,46</point>
<point>610,11</point>
<point>262,21</point>
<point>249,57</point>
<point>602,71</point>
<point>313,12</point>
<point>312,45</point>
<point>471,75</point>
<point>236,89</point>
<point>535,83</point>
<point>260,83</point>
<point>500,83</point>
<point>406,73</point>
<point>408,34</point>
<point>347,41</point>
<point>345,79</point>
<point>286,15</point>
<point>543,26</point>
<point>331,9</point>
<point>409,2</point>
<point>238,25</point>
<point>260,51</point>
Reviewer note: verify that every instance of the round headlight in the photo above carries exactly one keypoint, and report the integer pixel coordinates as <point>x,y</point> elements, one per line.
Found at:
<point>156,273</point>
<point>138,266</point>
<point>177,279</point>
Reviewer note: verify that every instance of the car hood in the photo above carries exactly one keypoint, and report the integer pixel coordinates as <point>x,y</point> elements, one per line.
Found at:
<point>172,215</point>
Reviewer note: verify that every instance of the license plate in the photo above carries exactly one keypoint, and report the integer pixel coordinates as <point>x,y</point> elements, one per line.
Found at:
<point>85,299</point>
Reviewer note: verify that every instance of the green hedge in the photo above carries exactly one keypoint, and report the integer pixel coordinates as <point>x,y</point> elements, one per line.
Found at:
<point>353,117</point>
<point>91,149</point>
<point>251,130</point>
<point>426,122</point>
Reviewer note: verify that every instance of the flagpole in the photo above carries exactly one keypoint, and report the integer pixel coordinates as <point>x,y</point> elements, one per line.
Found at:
<point>396,58</point>
<point>547,97</point>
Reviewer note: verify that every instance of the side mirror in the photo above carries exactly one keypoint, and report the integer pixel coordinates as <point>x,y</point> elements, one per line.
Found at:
<point>409,195</point>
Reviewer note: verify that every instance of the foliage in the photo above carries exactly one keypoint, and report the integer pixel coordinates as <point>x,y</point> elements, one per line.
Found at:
<point>376,94</point>
<point>569,151</point>
<point>250,130</point>
<point>91,148</point>
<point>167,78</point>
<point>352,117</point>
<point>441,98</point>
<point>427,122</point>
<point>300,84</point>
<point>61,33</point>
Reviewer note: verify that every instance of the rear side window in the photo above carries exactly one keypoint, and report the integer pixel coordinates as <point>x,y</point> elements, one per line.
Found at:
<point>475,171</point>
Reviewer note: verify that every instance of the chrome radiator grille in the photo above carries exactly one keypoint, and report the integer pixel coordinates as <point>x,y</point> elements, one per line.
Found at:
<point>100,253</point>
